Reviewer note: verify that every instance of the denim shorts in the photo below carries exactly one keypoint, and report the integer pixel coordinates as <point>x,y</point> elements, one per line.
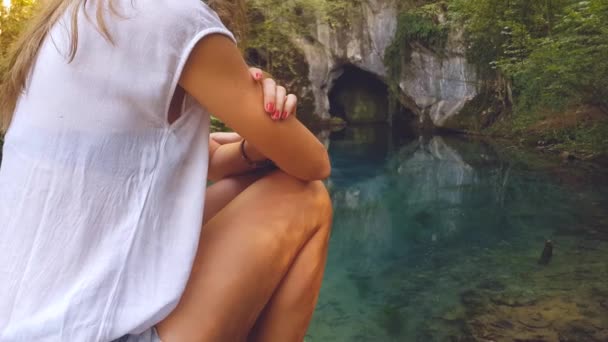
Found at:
<point>150,335</point>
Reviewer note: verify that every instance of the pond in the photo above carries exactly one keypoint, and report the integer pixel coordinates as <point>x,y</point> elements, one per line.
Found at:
<point>440,239</point>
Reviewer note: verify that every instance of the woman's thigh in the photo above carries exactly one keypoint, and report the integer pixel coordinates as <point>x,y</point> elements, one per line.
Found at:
<point>222,192</point>
<point>244,252</point>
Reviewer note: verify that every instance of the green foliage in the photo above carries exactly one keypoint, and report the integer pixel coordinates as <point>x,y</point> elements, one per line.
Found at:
<point>584,136</point>
<point>570,66</point>
<point>553,55</point>
<point>420,25</point>
<point>218,126</point>
<point>12,22</point>
<point>297,16</point>
<point>553,50</point>
<point>501,33</point>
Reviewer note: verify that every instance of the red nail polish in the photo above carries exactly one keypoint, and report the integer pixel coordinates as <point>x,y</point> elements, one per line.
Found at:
<point>258,75</point>
<point>271,107</point>
<point>285,115</point>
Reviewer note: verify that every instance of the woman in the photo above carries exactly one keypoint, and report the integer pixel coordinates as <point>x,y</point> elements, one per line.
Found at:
<point>102,186</point>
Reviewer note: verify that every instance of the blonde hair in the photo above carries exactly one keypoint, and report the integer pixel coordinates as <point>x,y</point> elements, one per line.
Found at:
<point>15,69</point>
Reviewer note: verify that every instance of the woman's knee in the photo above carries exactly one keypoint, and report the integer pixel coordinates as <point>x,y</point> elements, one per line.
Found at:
<point>322,200</point>
<point>311,192</point>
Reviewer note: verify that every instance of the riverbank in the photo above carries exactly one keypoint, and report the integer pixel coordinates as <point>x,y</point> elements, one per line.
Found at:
<point>579,133</point>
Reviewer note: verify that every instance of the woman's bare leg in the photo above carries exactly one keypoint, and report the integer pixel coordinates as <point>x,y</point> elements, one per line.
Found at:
<point>264,252</point>
<point>287,316</point>
<point>224,191</point>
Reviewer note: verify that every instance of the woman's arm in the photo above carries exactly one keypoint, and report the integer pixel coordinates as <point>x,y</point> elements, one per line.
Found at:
<point>225,156</point>
<point>217,76</point>
<point>225,149</point>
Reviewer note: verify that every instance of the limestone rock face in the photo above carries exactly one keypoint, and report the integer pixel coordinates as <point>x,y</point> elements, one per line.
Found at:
<point>434,84</point>
<point>440,85</point>
<point>360,43</point>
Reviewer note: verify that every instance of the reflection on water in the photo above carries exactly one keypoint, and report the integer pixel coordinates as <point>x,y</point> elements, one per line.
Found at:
<point>438,239</point>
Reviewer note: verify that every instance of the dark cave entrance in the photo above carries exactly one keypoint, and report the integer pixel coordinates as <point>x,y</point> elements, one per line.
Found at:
<point>360,97</point>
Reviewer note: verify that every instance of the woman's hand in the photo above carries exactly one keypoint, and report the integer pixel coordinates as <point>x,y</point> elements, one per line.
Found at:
<point>218,139</point>
<point>277,103</point>
<point>226,156</point>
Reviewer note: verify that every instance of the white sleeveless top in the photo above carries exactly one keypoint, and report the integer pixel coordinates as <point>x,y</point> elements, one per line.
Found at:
<point>101,199</point>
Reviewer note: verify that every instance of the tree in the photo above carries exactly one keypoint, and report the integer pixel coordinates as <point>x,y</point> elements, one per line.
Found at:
<point>570,65</point>
<point>12,21</point>
<point>550,51</point>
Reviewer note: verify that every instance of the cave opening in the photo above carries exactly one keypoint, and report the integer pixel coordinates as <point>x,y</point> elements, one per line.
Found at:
<point>360,97</point>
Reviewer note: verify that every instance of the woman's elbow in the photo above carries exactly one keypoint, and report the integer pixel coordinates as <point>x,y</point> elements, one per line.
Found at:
<point>325,168</point>
<point>321,169</point>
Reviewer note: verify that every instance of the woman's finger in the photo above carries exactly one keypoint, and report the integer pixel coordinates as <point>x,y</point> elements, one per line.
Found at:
<point>270,95</point>
<point>280,103</point>
<point>291,104</point>
<point>256,73</point>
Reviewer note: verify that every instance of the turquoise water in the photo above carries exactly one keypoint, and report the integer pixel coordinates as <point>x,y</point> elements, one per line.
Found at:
<point>438,239</point>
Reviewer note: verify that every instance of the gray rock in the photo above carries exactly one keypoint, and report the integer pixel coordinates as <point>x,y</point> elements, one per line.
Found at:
<point>439,86</point>
<point>491,285</point>
<point>434,85</point>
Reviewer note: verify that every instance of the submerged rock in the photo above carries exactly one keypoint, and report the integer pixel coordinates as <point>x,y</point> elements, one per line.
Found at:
<point>492,285</point>
<point>535,321</point>
<point>391,320</point>
<point>503,324</point>
<point>515,299</point>
<point>581,331</point>
<point>567,156</point>
<point>547,254</point>
<point>473,300</point>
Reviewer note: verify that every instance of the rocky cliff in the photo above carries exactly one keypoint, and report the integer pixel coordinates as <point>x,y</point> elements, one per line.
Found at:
<point>433,84</point>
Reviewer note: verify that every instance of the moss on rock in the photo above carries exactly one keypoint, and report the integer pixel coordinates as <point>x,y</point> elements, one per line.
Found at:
<point>477,114</point>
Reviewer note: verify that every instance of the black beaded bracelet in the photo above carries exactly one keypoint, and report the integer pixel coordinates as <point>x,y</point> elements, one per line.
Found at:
<point>255,164</point>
